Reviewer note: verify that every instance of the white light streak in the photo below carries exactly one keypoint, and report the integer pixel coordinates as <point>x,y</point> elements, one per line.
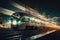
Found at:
<point>6,11</point>
<point>33,12</point>
<point>40,35</point>
<point>28,9</point>
<point>37,20</point>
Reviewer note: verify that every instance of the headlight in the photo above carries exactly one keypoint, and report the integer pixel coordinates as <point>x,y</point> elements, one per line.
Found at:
<point>19,22</point>
<point>14,22</point>
<point>9,21</point>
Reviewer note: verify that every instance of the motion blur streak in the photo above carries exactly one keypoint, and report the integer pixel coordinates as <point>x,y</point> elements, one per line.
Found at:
<point>18,6</point>
<point>29,10</point>
<point>50,25</point>
<point>6,11</point>
<point>35,13</point>
<point>1,26</point>
<point>40,35</point>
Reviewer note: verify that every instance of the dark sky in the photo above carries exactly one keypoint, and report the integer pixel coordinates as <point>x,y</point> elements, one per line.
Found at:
<point>51,7</point>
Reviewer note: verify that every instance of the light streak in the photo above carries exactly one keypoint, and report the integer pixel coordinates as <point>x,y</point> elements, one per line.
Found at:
<point>1,26</point>
<point>35,13</point>
<point>40,35</point>
<point>28,10</point>
<point>6,11</point>
<point>50,25</point>
<point>18,6</point>
<point>31,11</point>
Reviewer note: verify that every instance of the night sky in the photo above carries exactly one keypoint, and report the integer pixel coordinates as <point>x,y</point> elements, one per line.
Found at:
<point>50,7</point>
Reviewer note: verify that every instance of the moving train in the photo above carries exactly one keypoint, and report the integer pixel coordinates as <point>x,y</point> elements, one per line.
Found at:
<point>19,21</point>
